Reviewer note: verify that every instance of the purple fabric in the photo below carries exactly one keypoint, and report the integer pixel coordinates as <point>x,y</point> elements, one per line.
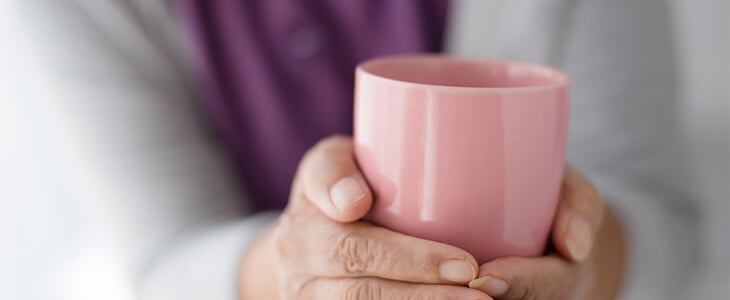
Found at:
<point>277,75</point>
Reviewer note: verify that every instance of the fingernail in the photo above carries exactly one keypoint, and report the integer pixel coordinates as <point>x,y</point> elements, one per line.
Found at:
<point>457,271</point>
<point>346,191</point>
<point>491,285</point>
<point>580,238</point>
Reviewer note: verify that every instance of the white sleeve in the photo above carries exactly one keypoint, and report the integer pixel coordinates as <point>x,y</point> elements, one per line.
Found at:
<point>624,132</point>
<point>625,135</point>
<point>146,202</point>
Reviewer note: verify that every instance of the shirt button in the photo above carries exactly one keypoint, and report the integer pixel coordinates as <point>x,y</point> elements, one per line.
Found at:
<point>305,41</point>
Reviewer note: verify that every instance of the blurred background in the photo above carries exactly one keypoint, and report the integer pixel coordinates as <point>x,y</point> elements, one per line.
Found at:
<point>37,224</point>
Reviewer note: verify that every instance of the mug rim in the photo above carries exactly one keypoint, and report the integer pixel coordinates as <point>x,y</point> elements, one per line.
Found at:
<point>555,77</point>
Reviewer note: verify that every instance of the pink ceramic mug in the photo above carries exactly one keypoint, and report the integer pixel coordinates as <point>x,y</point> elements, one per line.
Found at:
<point>463,151</point>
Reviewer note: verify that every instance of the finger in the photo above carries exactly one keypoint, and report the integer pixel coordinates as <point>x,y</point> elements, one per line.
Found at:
<point>330,179</point>
<point>546,277</point>
<point>377,289</point>
<point>362,249</point>
<point>578,216</point>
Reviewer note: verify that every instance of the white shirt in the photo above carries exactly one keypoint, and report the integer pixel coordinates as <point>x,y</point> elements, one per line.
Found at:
<point>122,191</point>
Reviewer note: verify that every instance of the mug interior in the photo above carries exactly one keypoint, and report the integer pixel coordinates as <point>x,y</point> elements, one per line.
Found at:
<point>442,70</point>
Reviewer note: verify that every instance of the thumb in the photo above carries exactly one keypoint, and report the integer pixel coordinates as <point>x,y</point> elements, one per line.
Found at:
<point>329,178</point>
<point>545,277</point>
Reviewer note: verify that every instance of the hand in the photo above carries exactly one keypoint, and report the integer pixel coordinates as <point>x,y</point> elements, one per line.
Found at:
<point>318,249</point>
<point>588,260</point>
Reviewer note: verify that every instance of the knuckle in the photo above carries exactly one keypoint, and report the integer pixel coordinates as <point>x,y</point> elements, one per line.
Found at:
<point>360,290</point>
<point>521,294</point>
<point>424,294</point>
<point>530,291</point>
<point>355,253</point>
<point>300,288</point>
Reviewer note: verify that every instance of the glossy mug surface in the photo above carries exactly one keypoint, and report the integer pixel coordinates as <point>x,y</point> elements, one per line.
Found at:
<point>463,151</point>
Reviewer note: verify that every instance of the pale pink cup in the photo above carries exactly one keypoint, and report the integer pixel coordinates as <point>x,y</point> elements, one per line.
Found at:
<point>463,151</point>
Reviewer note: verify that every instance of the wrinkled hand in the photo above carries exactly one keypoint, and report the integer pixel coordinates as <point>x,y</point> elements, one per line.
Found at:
<point>587,261</point>
<point>323,252</point>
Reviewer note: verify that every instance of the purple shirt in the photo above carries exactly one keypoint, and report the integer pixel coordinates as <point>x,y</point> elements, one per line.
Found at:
<point>277,75</point>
